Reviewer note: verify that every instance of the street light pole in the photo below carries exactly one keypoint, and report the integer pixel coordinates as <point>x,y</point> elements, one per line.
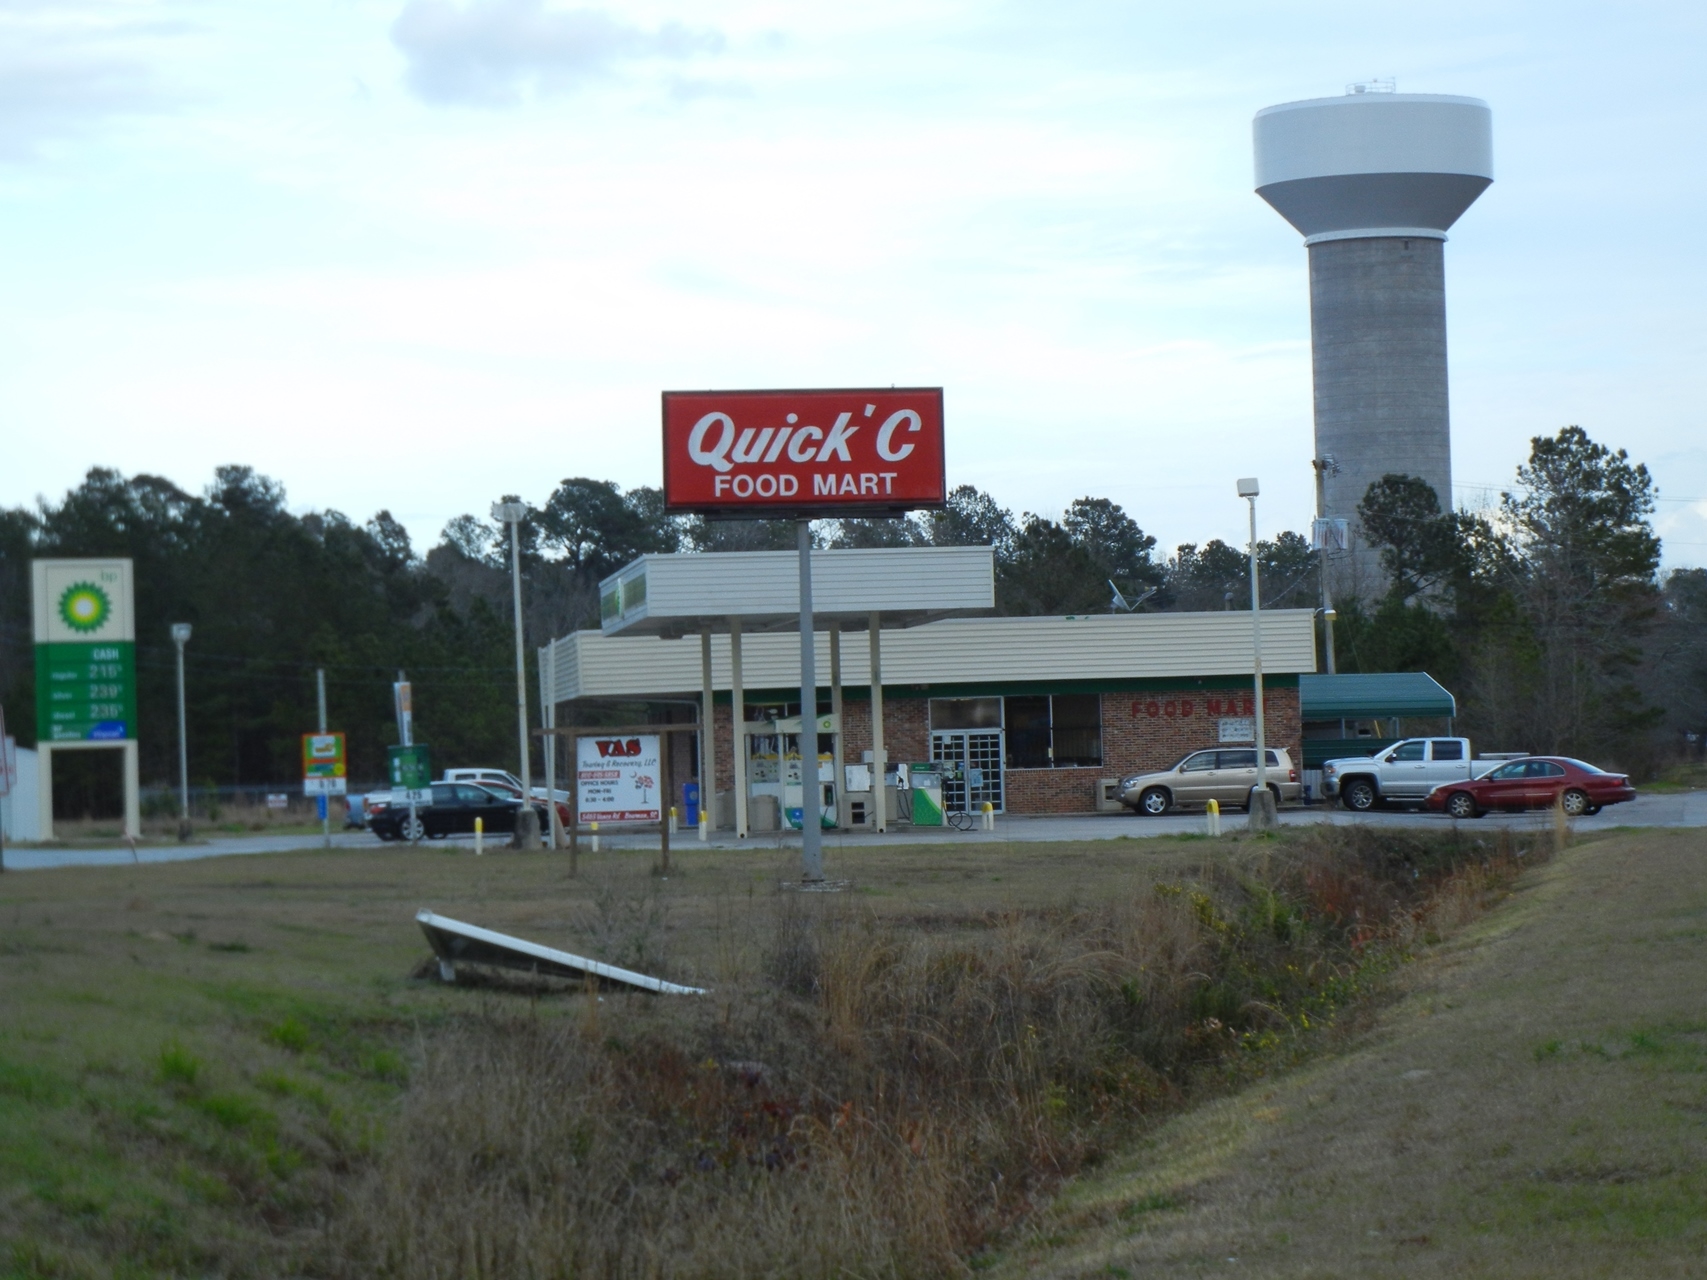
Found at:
<point>181,637</point>
<point>527,821</point>
<point>1261,800</point>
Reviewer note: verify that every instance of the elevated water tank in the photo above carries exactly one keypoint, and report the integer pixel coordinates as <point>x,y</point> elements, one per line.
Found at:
<point>1373,181</point>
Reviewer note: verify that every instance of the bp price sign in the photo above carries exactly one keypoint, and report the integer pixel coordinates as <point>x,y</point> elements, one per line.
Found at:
<point>323,768</point>
<point>85,634</point>
<point>618,779</point>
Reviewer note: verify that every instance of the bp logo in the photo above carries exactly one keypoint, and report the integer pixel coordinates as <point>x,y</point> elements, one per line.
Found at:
<point>85,607</point>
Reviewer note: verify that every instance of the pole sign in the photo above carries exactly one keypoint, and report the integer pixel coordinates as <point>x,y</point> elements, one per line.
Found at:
<point>323,768</point>
<point>85,633</point>
<point>617,779</point>
<point>411,774</point>
<point>803,454</point>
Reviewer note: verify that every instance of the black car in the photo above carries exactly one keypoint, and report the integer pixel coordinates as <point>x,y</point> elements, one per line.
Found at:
<point>454,808</point>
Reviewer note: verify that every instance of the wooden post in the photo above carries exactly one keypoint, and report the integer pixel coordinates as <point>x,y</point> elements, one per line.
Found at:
<point>574,804</point>
<point>666,748</point>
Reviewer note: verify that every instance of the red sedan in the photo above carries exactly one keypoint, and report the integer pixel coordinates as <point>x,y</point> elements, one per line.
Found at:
<point>1536,782</point>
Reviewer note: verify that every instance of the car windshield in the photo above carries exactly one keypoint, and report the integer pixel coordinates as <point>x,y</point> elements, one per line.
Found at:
<point>1584,765</point>
<point>496,792</point>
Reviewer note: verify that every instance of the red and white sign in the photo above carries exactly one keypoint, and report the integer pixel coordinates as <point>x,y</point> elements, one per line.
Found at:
<point>826,453</point>
<point>617,779</point>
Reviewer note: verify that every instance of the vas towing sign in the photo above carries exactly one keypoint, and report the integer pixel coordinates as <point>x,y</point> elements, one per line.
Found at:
<point>85,634</point>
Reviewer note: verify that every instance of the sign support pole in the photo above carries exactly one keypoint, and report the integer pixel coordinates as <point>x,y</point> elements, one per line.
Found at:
<point>325,804</point>
<point>405,731</point>
<point>879,819</point>
<point>811,833</point>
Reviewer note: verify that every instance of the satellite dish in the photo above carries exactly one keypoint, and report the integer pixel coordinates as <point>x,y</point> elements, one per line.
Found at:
<point>1121,605</point>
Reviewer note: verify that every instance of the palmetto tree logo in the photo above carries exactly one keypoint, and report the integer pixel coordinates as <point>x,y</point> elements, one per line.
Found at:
<point>85,607</point>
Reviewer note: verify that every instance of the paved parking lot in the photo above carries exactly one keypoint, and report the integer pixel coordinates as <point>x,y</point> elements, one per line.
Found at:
<point>1679,809</point>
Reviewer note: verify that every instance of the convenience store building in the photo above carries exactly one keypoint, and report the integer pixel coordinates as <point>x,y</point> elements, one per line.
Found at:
<point>1034,715</point>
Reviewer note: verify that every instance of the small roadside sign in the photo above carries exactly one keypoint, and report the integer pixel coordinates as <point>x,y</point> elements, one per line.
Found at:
<point>324,772</point>
<point>411,773</point>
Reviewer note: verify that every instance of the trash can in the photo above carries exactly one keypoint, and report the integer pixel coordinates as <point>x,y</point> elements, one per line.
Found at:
<point>690,802</point>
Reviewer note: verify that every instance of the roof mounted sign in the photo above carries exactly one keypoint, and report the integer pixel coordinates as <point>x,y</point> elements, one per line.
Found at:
<point>751,454</point>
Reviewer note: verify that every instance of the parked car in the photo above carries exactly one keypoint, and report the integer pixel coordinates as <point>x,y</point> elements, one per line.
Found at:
<point>1405,771</point>
<point>1226,775</point>
<point>1537,782</point>
<point>514,790</point>
<point>501,778</point>
<point>454,808</point>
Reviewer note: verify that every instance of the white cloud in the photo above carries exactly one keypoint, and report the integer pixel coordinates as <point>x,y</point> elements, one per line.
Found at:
<point>491,52</point>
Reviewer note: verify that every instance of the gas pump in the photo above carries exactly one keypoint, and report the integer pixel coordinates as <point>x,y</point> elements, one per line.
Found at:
<point>777,769</point>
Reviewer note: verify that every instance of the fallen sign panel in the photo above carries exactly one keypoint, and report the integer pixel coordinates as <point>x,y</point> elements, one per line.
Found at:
<point>454,943</point>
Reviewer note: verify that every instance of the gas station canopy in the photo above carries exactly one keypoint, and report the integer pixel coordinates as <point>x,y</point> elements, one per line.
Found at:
<point>676,595</point>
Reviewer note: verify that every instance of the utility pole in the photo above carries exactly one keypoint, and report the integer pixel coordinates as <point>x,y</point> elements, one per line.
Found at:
<point>1324,466</point>
<point>527,821</point>
<point>181,637</point>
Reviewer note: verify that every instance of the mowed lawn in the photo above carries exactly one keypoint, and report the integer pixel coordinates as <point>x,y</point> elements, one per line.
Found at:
<point>192,1053</point>
<point>1535,1106</point>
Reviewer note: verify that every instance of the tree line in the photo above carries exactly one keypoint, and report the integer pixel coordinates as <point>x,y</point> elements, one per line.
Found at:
<point>1546,615</point>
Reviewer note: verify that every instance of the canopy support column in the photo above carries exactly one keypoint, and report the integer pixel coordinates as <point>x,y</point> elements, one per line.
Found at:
<point>707,733</point>
<point>738,718</point>
<point>837,755</point>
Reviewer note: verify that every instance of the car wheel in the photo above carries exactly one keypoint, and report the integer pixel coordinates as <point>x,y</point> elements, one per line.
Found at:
<point>1359,795</point>
<point>1591,810</point>
<point>413,829</point>
<point>1155,802</point>
<point>1574,802</point>
<point>1461,804</point>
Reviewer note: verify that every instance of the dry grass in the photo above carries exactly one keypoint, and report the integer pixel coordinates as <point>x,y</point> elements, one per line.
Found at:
<point>885,1093</point>
<point>1532,1108</point>
<point>223,1068</point>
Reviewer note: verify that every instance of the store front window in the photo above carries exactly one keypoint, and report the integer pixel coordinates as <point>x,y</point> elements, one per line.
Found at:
<point>1062,731</point>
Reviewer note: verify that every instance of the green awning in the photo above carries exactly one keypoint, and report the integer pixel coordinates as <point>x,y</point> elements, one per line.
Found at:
<point>1373,697</point>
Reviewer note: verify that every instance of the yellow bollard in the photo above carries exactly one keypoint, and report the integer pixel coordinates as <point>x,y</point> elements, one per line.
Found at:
<point>595,837</point>
<point>704,828</point>
<point>989,816</point>
<point>479,836</point>
<point>672,819</point>
<point>1212,817</point>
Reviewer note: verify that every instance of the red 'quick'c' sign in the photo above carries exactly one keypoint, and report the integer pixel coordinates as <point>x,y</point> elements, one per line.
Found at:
<point>803,452</point>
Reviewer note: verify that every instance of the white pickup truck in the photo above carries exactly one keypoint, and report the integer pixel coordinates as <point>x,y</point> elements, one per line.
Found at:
<point>1405,772</point>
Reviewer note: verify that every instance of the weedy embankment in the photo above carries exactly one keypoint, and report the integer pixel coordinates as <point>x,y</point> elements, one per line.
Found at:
<point>883,1094</point>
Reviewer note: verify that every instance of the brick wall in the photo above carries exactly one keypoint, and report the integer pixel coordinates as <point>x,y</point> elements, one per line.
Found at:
<point>1152,730</point>
<point>1140,731</point>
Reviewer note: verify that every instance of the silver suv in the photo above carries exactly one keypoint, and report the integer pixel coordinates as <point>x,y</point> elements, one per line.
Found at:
<point>1226,775</point>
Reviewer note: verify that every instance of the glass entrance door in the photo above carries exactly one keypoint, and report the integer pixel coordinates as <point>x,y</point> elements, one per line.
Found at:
<point>971,762</point>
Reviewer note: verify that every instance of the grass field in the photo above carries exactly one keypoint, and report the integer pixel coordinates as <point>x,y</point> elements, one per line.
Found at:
<point>232,1067</point>
<point>1536,1105</point>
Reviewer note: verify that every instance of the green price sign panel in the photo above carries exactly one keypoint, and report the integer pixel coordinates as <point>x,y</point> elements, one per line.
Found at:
<point>411,768</point>
<point>86,692</point>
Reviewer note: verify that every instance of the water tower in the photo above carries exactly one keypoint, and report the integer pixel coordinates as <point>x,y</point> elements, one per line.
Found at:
<point>1373,180</point>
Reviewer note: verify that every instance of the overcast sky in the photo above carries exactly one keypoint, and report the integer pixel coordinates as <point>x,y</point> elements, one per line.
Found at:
<point>419,253</point>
